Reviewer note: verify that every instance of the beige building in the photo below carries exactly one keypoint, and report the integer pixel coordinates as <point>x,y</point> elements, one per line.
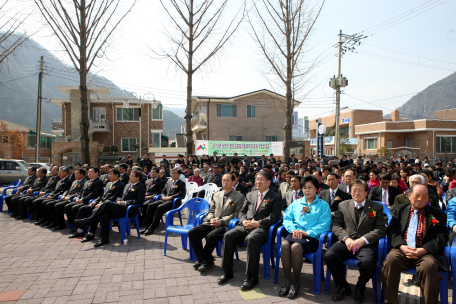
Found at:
<point>255,116</point>
<point>114,122</point>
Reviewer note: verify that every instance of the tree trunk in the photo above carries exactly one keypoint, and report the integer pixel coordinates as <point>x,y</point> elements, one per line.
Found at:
<point>85,153</point>
<point>188,111</point>
<point>289,95</point>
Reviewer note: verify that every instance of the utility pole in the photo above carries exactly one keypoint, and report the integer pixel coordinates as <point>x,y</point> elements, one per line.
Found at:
<point>38,114</point>
<point>340,82</point>
<point>140,109</point>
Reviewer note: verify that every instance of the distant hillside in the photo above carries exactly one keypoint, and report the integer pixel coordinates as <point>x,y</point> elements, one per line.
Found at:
<point>438,96</point>
<point>18,94</point>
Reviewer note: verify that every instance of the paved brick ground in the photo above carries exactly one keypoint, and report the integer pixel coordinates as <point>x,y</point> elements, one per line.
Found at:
<point>40,266</point>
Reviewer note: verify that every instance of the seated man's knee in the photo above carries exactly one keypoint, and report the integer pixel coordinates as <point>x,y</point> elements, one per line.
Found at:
<point>428,266</point>
<point>251,241</point>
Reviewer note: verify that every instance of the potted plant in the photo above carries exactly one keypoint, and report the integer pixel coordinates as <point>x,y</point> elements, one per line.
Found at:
<point>102,117</point>
<point>114,149</point>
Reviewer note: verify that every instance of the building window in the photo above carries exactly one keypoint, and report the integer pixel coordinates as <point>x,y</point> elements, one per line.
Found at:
<point>251,111</point>
<point>4,138</point>
<point>236,138</point>
<point>370,143</point>
<point>389,144</point>
<point>31,141</point>
<point>270,138</point>
<point>344,132</point>
<point>127,114</point>
<point>128,144</point>
<point>446,144</point>
<point>226,110</point>
<point>157,113</point>
<point>156,139</point>
<point>46,142</point>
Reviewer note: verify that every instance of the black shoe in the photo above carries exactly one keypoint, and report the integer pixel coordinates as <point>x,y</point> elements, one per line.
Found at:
<point>149,232</point>
<point>21,217</point>
<point>341,292</point>
<point>82,222</point>
<point>250,282</point>
<point>71,231</point>
<point>205,266</point>
<point>45,224</point>
<point>57,228</point>
<point>225,277</point>
<point>359,295</point>
<point>12,214</point>
<point>76,235</point>
<point>51,225</point>
<point>33,218</point>
<point>101,243</point>
<point>415,281</point>
<point>196,265</point>
<point>143,231</point>
<point>39,222</point>
<point>284,291</point>
<point>294,290</point>
<point>87,238</point>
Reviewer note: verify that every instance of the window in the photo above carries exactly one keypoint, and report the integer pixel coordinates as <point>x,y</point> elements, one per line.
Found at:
<point>31,141</point>
<point>251,111</point>
<point>344,132</point>
<point>8,165</point>
<point>389,144</point>
<point>127,114</point>
<point>128,144</point>
<point>370,143</point>
<point>156,139</point>
<point>4,138</point>
<point>157,113</point>
<point>270,138</point>
<point>236,138</point>
<point>46,142</point>
<point>446,144</point>
<point>226,110</point>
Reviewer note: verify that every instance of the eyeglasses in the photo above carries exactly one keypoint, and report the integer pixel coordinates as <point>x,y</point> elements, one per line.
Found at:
<point>422,196</point>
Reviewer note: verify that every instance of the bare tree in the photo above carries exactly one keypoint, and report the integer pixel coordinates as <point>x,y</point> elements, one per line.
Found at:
<point>198,34</point>
<point>83,28</point>
<point>281,29</point>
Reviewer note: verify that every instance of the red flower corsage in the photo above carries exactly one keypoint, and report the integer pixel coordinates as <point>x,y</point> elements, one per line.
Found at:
<point>112,187</point>
<point>434,221</point>
<point>305,210</point>
<point>175,186</point>
<point>371,212</point>
<point>133,189</point>
<point>429,202</point>
<point>266,202</point>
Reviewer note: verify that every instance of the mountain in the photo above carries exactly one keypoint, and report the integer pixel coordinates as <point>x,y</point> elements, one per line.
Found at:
<point>19,89</point>
<point>438,96</point>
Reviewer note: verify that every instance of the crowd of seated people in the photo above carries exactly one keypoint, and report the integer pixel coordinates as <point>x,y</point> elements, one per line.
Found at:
<point>311,196</point>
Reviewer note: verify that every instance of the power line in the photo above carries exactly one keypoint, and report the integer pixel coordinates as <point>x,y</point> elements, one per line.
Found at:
<point>18,78</point>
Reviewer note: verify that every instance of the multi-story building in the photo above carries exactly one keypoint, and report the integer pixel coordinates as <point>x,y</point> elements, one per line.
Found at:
<point>254,116</point>
<point>115,122</point>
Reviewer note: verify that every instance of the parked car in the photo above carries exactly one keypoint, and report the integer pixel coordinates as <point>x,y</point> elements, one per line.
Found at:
<point>13,169</point>
<point>39,165</point>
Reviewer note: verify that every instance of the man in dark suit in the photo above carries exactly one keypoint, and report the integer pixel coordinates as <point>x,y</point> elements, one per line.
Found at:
<point>294,192</point>
<point>349,176</point>
<point>418,236</point>
<point>54,213</point>
<point>112,191</point>
<point>62,185</point>
<point>359,224</point>
<point>239,187</point>
<point>319,176</point>
<point>262,162</point>
<point>146,162</point>
<point>292,159</point>
<point>124,177</point>
<point>174,188</point>
<point>384,193</point>
<point>12,200</point>
<point>214,159</point>
<point>39,183</point>
<point>260,210</point>
<point>224,207</point>
<point>333,196</point>
<point>215,177</point>
<point>416,179</point>
<point>133,195</point>
<point>272,159</point>
<point>154,186</point>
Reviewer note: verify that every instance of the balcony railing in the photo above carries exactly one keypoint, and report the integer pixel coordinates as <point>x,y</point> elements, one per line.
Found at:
<point>199,122</point>
<point>98,125</point>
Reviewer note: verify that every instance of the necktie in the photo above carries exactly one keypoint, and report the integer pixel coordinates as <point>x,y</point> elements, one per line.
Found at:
<point>359,206</point>
<point>348,189</point>
<point>332,196</point>
<point>260,199</point>
<point>234,187</point>
<point>411,231</point>
<point>384,197</point>
<point>295,195</point>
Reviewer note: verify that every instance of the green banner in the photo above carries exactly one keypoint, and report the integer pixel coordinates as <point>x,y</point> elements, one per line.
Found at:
<point>240,147</point>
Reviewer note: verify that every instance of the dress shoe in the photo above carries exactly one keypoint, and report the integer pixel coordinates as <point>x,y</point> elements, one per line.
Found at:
<point>82,222</point>
<point>143,231</point>
<point>58,228</point>
<point>205,266</point>
<point>284,291</point>
<point>39,222</point>
<point>341,292</point>
<point>196,265</point>
<point>415,281</point>
<point>51,225</point>
<point>225,277</point>
<point>359,295</point>
<point>101,243</point>
<point>45,224</point>
<point>250,282</point>
<point>21,217</point>
<point>294,290</point>
<point>33,218</point>
<point>149,232</point>
<point>76,235</point>
<point>12,214</point>
<point>87,238</point>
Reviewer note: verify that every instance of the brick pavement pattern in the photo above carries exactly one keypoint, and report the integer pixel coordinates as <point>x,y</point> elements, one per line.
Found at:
<point>41,266</point>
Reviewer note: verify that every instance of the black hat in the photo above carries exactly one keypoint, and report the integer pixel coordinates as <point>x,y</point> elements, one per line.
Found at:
<point>215,165</point>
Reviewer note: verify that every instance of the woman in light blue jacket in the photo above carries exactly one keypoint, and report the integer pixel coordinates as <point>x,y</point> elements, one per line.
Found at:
<point>305,219</point>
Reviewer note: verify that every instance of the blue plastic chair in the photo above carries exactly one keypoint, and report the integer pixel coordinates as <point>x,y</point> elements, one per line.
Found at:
<point>2,197</point>
<point>158,196</point>
<point>124,224</point>
<point>266,248</point>
<point>196,207</point>
<point>443,284</point>
<point>453,269</point>
<point>315,257</point>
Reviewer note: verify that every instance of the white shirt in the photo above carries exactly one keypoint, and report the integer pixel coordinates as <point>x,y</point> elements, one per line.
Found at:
<point>385,193</point>
<point>365,240</point>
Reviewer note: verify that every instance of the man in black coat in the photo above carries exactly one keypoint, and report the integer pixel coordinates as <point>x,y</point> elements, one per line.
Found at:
<point>215,177</point>
<point>55,213</point>
<point>124,177</point>
<point>319,176</point>
<point>261,209</point>
<point>154,186</point>
<point>333,196</point>
<point>418,236</point>
<point>174,188</point>
<point>112,191</point>
<point>146,162</point>
<point>12,200</point>
<point>239,187</point>
<point>384,193</point>
<point>133,195</point>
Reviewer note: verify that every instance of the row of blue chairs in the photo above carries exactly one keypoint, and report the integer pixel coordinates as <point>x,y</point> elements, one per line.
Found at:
<point>14,185</point>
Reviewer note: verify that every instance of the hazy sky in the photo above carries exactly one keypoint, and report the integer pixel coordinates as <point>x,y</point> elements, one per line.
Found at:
<point>390,62</point>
